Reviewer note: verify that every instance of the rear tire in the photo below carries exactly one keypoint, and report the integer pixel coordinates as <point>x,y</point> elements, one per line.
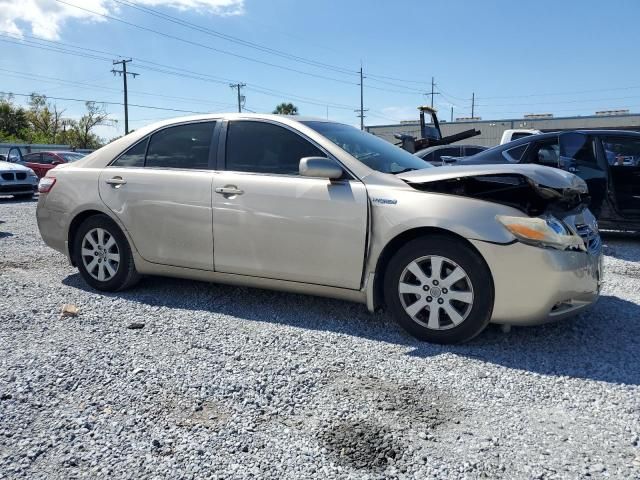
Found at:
<point>103,255</point>
<point>439,289</point>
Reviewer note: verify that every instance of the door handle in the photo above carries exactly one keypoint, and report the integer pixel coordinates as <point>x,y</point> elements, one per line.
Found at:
<point>229,190</point>
<point>116,182</point>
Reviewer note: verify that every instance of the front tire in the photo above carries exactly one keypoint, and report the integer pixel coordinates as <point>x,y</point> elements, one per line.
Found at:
<point>103,255</point>
<point>439,289</point>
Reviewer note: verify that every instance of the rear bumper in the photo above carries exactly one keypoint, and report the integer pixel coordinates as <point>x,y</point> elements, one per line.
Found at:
<point>53,227</point>
<point>536,285</point>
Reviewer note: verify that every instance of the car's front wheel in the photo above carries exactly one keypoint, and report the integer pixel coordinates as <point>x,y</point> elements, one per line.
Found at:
<point>103,256</point>
<point>439,289</point>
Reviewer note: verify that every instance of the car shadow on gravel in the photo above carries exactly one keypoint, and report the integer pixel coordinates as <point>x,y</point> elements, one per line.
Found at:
<point>600,344</point>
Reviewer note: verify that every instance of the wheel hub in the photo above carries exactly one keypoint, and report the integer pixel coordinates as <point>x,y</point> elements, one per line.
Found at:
<point>436,292</point>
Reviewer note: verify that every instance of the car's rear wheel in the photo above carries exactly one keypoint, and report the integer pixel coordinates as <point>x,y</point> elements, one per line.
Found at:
<point>103,255</point>
<point>439,289</point>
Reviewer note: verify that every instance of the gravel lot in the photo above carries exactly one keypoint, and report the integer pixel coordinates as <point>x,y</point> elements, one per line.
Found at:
<point>226,382</point>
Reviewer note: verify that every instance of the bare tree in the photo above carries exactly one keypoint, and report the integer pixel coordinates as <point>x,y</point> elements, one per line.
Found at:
<point>83,129</point>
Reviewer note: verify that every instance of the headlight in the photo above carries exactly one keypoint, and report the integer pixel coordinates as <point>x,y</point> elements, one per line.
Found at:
<point>541,231</point>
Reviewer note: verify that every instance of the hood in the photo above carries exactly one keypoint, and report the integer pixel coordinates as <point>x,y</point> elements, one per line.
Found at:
<point>532,189</point>
<point>13,167</point>
<point>538,174</point>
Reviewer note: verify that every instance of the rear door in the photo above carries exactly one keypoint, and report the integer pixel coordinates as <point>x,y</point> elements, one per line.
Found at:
<point>622,154</point>
<point>160,189</point>
<point>271,222</point>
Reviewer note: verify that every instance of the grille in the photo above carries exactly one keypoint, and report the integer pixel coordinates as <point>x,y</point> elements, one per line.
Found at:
<point>21,175</point>
<point>591,238</point>
<point>7,176</point>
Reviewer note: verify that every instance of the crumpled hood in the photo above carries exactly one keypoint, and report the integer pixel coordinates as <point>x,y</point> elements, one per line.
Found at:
<point>540,175</point>
<point>12,167</point>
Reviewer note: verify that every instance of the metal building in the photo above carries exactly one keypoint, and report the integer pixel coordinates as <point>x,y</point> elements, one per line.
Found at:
<point>492,129</point>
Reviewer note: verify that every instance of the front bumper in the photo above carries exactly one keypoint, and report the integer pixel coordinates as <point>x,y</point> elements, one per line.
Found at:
<point>17,188</point>
<point>537,285</point>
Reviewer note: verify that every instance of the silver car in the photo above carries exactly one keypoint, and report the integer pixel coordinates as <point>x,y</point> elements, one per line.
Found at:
<point>17,180</point>
<point>323,208</point>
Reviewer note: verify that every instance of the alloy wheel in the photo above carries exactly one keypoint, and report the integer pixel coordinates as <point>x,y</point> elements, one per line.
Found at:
<point>436,292</point>
<point>100,254</point>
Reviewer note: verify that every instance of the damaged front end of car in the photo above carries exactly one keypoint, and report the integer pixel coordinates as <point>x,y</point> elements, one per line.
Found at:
<point>554,202</point>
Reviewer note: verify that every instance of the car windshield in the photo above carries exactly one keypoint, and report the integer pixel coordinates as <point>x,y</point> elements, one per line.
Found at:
<point>71,157</point>
<point>373,151</point>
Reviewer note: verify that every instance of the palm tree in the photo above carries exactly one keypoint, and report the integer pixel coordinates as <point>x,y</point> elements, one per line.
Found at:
<point>286,109</point>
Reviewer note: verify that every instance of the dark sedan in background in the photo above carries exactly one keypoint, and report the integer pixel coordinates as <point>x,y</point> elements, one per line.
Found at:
<point>444,154</point>
<point>608,160</point>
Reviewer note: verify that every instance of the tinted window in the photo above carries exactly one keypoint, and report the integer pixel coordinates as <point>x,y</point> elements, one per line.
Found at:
<point>48,159</point>
<point>468,151</point>
<point>134,157</point>
<point>622,151</point>
<point>546,152</point>
<point>32,157</point>
<point>266,148</point>
<point>515,154</point>
<point>577,148</point>
<point>444,152</point>
<point>182,146</point>
<point>374,152</point>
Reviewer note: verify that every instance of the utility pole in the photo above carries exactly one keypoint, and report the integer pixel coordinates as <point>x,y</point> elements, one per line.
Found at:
<point>362,109</point>
<point>473,104</point>
<point>123,73</point>
<point>452,113</point>
<point>238,86</point>
<point>433,92</point>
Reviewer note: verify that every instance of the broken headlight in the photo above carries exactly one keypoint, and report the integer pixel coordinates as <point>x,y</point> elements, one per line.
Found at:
<point>545,231</point>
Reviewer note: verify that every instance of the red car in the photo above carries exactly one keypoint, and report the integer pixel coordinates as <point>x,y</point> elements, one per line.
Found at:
<point>42,162</point>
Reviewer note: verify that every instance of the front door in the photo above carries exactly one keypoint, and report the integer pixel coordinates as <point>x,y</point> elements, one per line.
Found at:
<point>160,189</point>
<point>271,222</point>
<point>578,155</point>
<point>623,157</point>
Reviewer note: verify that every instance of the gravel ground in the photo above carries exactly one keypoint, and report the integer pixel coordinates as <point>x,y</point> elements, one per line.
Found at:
<point>226,382</point>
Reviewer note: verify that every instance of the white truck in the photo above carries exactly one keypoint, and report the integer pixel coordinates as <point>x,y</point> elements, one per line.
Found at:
<point>516,133</point>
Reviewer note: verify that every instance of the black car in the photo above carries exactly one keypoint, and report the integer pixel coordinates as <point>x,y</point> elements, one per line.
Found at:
<point>608,160</point>
<point>436,155</point>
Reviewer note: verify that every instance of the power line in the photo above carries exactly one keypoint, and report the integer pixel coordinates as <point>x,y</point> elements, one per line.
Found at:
<point>152,107</point>
<point>202,45</point>
<point>236,40</point>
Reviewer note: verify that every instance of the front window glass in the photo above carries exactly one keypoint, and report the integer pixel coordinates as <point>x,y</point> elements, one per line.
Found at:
<point>374,152</point>
<point>262,147</point>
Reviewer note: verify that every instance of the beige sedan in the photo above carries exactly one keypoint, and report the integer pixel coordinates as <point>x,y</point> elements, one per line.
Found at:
<point>322,208</point>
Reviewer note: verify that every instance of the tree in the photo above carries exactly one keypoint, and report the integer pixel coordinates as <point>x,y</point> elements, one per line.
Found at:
<point>81,131</point>
<point>45,119</point>
<point>13,120</point>
<point>286,109</point>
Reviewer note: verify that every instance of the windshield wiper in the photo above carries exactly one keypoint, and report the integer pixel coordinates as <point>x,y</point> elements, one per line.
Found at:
<point>409,169</point>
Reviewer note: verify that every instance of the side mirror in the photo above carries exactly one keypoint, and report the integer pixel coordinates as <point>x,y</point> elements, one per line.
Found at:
<point>320,167</point>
